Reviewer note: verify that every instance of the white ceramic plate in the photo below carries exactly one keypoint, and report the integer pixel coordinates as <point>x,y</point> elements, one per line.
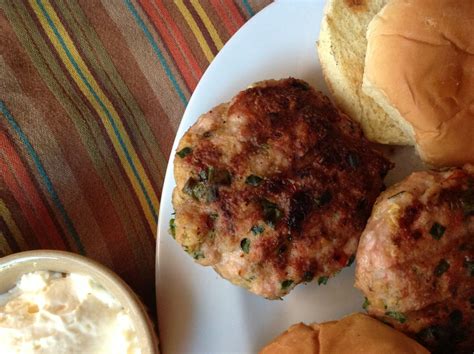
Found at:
<point>199,312</point>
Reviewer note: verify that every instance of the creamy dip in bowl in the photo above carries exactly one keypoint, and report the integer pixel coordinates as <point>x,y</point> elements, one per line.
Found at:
<point>59,302</point>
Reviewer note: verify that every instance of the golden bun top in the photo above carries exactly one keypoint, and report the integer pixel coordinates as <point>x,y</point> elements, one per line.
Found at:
<point>420,68</point>
<point>357,333</point>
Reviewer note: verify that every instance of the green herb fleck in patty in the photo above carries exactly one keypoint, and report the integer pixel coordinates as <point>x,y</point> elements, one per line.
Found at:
<point>271,213</point>
<point>366,303</point>
<point>257,229</point>
<point>184,152</point>
<point>286,284</point>
<point>400,317</point>
<point>245,245</point>
<point>172,229</point>
<point>308,276</point>
<point>437,231</point>
<point>323,280</point>
<point>441,268</point>
<point>198,255</point>
<point>253,180</point>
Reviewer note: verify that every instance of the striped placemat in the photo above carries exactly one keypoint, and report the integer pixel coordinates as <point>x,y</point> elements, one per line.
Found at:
<point>91,95</point>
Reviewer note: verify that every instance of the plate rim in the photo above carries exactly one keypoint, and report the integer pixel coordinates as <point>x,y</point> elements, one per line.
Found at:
<point>162,224</point>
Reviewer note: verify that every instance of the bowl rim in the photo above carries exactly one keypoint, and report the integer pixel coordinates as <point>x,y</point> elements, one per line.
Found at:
<point>144,327</point>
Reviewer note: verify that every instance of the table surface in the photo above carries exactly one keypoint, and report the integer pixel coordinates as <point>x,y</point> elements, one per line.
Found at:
<point>91,95</point>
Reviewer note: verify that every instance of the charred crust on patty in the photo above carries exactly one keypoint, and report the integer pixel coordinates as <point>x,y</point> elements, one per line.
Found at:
<point>298,168</point>
<point>414,259</point>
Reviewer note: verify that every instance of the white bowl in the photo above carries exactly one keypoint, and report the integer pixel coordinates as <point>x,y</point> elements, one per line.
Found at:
<point>12,267</point>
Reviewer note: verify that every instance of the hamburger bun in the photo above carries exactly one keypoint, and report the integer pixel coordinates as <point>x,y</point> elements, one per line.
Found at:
<point>419,68</point>
<point>341,47</point>
<point>353,334</point>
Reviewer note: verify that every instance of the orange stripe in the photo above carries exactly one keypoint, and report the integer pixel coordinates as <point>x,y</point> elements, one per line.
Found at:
<point>179,37</point>
<point>224,16</point>
<point>235,13</point>
<point>24,191</point>
<point>150,10</point>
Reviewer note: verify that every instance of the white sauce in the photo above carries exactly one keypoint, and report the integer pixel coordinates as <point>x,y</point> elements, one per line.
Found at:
<point>58,313</point>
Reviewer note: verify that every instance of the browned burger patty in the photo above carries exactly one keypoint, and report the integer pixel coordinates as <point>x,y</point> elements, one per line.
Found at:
<point>274,188</point>
<point>415,261</point>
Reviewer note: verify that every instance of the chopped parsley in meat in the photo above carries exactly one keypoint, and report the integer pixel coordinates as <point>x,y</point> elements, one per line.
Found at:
<point>257,229</point>
<point>308,276</point>
<point>271,213</point>
<point>200,190</point>
<point>441,268</point>
<point>366,303</point>
<point>198,255</point>
<point>323,280</point>
<point>184,152</point>
<point>172,228</point>
<point>205,188</point>
<point>245,245</point>
<point>286,284</point>
<point>253,180</point>
<point>437,231</point>
<point>400,317</point>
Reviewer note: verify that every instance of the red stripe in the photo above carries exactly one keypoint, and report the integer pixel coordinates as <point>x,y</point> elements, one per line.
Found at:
<point>24,191</point>
<point>178,37</point>
<point>170,43</point>
<point>235,13</point>
<point>223,14</point>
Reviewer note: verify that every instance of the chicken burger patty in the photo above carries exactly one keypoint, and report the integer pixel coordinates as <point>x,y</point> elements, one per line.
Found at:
<point>274,188</point>
<point>415,260</point>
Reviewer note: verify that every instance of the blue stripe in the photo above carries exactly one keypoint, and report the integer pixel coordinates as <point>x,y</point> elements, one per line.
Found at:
<point>248,7</point>
<point>157,50</point>
<point>44,176</point>
<point>102,105</point>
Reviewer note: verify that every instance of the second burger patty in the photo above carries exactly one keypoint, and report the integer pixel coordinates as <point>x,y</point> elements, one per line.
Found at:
<point>415,262</point>
<point>275,187</point>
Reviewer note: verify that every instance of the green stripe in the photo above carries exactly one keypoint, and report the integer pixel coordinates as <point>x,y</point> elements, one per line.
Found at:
<point>248,8</point>
<point>42,172</point>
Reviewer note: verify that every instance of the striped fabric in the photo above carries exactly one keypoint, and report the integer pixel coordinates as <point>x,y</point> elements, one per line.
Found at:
<point>91,95</point>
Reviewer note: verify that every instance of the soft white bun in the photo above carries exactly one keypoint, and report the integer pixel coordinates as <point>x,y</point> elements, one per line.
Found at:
<point>341,47</point>
<point>419,67</point>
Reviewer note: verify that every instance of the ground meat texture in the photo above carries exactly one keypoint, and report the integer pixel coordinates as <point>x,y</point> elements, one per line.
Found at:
<point>415,261</point>
<point>274,188</point>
